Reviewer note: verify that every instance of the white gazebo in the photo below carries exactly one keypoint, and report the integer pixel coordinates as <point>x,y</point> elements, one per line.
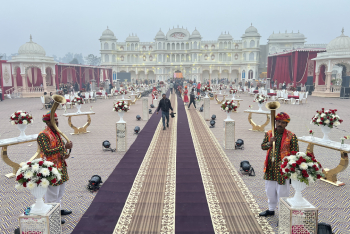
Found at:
<point>337,55</point>
<point>32,57</point>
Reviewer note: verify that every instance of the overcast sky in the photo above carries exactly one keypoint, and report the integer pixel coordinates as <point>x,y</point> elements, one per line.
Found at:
<point>76,25</point>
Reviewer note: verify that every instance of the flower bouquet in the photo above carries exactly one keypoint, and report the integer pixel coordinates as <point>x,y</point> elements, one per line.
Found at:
<point>123,92</point>
<point>206,89</point>
<point>121,107</point>
<point>37,175</point>
<point>77,102</point>
<point>131,88</point>
<point>233,91</point>
<point>260,99</point>
<point>302,169</point>
<point>21,119</point>
<point>327,119</point>
<point>228,106</point>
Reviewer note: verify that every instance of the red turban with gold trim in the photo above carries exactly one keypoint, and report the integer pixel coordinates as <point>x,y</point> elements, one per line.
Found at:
<point>46,118</point>
<point>283,117</point>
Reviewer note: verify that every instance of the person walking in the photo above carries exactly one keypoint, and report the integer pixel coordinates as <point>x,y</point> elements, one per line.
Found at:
<point>192,99</point>
<point>171,87</point>
<point>285,142</point>
<point>199,88</point>
<point>185,95</point>
<point>165,105</point>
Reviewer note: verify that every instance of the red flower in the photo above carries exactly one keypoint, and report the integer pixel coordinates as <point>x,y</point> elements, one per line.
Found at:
<point>286,177</point>
<point>20,176</point>
<point>294,152</point>
<point>287,170</point>
<point>298,162</point>
<point>29,163</point>
<point>50,168</point>
<point>38,182</point>
<point>53,181</point>
<point>318,176</point>
<point>24,184</point>
<point>316,169</point>
<point>310,131</point>
<point>294,164</point>
<point>41,163</point>
<point>38,175</point>
<point>292,169</point>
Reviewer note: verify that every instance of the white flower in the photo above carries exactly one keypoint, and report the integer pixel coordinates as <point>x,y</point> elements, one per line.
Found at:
<point>291,162</point>
<point>44,183</point>
<point>310,164</point>
<point>45,171</point>
<point>25,122</point>
<point>326,111</point>
<point>323,115</point>
<point>19,186</point>
<point>336,116</point>
<point>303,166</point>
<point>120,104</point>
<point>25,167</point>
<point>13,116</point>
<point>226,108</point>
<point>31,185</point>
<point>48,163</point>
<point>301,154</point>
<point>36,160</point>
<point>28,174</point>
<point>35,167</point>
<point>22,114</point>
<point>13,122</point>
<point>294,176</point>
<point>311,179</point>
<point>327,121</point>
<point>318,120</point>
<point>22,164</point>
<point>58,177</point>
<point>336,123</point>
<point>55,171</point>
<point>120,110</point>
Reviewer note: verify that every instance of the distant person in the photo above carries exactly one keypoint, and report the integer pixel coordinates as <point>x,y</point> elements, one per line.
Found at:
<point>0,94</point>
<point>48,100</point>
<point>171,87</point>
<point>165,105</point>
<point>192,99</point>
<point>199,88</point>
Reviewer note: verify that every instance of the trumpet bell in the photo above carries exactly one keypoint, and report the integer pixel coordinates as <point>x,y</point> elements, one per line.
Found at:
<point>272,105</point>
<point>59,99</point>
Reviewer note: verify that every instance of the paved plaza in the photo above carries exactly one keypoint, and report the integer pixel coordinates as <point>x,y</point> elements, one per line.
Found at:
<point>88,159</point>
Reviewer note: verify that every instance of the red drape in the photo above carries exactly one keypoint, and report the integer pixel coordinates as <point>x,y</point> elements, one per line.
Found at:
<point>303,58</point>
<point>282,70</point>
<point>322,77</point>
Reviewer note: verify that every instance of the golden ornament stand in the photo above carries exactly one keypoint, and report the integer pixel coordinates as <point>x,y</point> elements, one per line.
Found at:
<point>218,101</point>
<point>330,174</point>
<point>79,130</point>
<point>4,155</point>
<point>255,127</point>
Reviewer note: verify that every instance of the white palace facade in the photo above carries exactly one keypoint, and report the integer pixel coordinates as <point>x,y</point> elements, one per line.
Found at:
<point>179,50</point>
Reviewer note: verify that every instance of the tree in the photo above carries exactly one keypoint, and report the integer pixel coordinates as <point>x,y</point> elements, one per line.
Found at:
<point>93,60</point>
<point>74,61</point>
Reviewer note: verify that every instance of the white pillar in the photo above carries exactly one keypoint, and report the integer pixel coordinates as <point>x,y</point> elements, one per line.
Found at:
<point>121,137</point>
<point>145,114</point>
<point>206,108</point>
<point>44,82</point>
<point>24,81</point>
<point>229,141</point>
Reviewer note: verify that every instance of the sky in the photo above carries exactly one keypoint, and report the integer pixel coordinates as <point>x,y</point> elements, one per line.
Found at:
<point>75,25</point>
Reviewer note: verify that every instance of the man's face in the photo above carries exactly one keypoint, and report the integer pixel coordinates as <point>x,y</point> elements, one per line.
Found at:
<point>281,125</point>
<point>163,96</point>
<point>50,125</point>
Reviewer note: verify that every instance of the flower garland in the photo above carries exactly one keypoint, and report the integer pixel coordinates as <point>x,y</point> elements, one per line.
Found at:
<point>207,88</point>
<point>37,173</point>
<point>260,98</point>
<point>302,167</point>
<point>123,92</point>
<point>121,106</point>
<point>229,106</point>
<point>77,101</point>
<point>232,91</point>
<point>327,118</point>
<point>21,117</point>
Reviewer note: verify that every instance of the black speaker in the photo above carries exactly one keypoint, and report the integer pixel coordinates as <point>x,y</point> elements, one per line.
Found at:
<point>345,93</point>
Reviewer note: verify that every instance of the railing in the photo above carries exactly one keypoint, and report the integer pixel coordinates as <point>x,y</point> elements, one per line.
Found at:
<point>35,89</point>
<point>333,89</point>
<point>10,91</point>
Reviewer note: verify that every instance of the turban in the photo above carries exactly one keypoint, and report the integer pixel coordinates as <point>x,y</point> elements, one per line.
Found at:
<point>46,118</point>
<point>283,117</point>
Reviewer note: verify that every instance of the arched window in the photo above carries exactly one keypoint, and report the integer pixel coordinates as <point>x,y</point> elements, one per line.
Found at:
<point>144,58</point>
<point>188,58</point>
<point>168,46</point>
<point>206,47</point>
<point>224,57</point>
<point>212,47</point>
<point>106,58</point>
<point>206,57</point>
<point>144,47</point>
<point>252,44</point>
<point>236,56</point>
<point>195,57</point>
<point>244,57</point>
<point>177,46</point>
<point>173,46</point>
<point>132,46</point>
<point>128,46</point>
<point>178,57</point>
<point>113,46</point>
<point>173,58</point>
<point>236,46</point>
<point>150,58</point>
<point>229,45</point>
<point>245,44</point>
<point>168,57</point>
<point>150,47</point>
<point>251,56</point>
<point>182,46</point>
<point>106,46</point>
<point>182,58</point>
<point>136,46</point>
<point>220,45</point>
<point>159,45</point>
<point>122,48</point>
<point>195,45</point>
<point>225,45</point>
<point>243,74</point>
<point>250,74</point>
<point>212,57</point>
<point>220,57</point>
<point>113,58</point>
<point>187,46</point>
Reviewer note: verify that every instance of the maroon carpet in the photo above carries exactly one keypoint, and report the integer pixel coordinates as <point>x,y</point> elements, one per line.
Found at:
<point>103,214</point>
<point>192,211</point>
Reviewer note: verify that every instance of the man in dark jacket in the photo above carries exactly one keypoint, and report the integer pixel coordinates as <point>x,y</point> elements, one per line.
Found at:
<point>192,99</point>
<point>165,105</point>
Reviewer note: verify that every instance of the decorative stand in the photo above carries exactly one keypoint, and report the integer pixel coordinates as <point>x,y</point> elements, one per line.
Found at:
<point>229,141</point>
<point>206,109</point>
<point>79,130</point>
<point>155,102</point>
<point>13,141</point>
<point>145,115</point>
<point>297,219</point>
<point>238,101</point>
<point>127,100</point>
<point>121,137</point>
<point>49,223</point>
<point>330,174</point>
<point>255,127</point>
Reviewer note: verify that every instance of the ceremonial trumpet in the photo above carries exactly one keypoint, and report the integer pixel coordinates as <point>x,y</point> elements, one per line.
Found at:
<point>273,106</point>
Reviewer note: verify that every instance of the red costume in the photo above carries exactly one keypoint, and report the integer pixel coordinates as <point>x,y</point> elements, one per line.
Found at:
<point>185,96</point>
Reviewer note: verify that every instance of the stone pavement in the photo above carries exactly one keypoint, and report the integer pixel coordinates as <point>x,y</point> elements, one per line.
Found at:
<point>87,157</point>
<point>333,202</point>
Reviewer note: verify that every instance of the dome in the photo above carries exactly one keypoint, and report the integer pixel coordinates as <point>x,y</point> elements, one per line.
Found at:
<point>32,49</point>
<point>339,44</point>
<point>225,36</point>
<point>133,38</point>
<point>160,35</point>
<point>195,34</point>
<point>107,34</point>
<point>251,32</point>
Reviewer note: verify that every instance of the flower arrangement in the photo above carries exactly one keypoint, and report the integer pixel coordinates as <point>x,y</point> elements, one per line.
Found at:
<point>342,139</point>
<point>121,106</point>
<point>260,98</point>
<point>131,88</point>
<point>250,107</point>
<point>292,88</point>
<point>311,132</point>
<point>123,92</point>
<point>207,88</point>
<point>302,167</point>
<point>77,101</point>
<point>232,91</point>
<point>327,118</point>
<point>229,106</point>
<point>21,117</point>
<point>37,173</point>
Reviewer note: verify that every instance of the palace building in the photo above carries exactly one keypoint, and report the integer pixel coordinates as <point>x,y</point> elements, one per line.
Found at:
<point>180,50</point>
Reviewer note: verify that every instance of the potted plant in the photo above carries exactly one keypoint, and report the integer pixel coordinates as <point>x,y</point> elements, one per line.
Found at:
<point>260,99</point>
<point>233,92</point>
<point>77,102</point>
<point>228,106</point>
<point>327,119</point>
<point>121,107</point>
<point>21,119</point>
<point>206,89</point>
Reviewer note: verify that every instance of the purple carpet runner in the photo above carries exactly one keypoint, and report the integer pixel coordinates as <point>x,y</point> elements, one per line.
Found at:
<point>103,214</point>
<point>192,212</point>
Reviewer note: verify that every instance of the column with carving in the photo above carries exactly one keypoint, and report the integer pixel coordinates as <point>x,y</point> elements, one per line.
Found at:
<point>206,108</point>
<point>44,82</point>
<point>24,82</point>
<point>316,81</point>
<point>121,136</point>
<point>145,113</point>
<point>328,81</point>
<point>229,140</point>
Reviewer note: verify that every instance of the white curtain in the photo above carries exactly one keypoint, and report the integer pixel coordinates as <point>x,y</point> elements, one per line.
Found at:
<point>29,74</point>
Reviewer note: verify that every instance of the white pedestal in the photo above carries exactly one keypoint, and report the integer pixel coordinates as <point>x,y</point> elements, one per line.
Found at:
<point>229,140</point>
<point>155,102</point>
<point>145,115</point>
<point>206,108</point>
<point>121,137</point>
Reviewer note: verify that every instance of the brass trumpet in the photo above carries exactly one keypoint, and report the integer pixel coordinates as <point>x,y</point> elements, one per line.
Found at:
<point>273,106</point>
